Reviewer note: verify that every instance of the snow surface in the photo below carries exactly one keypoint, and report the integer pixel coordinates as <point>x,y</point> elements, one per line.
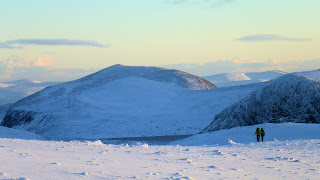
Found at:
<point>236,79</point>
<point>288,159</point>
<point>105,106</point>
<point>11,92</point>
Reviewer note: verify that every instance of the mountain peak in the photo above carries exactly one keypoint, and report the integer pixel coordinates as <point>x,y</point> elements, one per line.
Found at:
<point>115,72</point>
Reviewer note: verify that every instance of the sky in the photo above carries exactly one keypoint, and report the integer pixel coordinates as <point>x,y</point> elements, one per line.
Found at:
<point>63,40</point>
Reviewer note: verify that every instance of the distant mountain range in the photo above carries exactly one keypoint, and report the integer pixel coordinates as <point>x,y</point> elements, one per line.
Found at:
<point>135,101</point>
<point>11,92</point>
<point>123,101</point>
<point>236,79</point>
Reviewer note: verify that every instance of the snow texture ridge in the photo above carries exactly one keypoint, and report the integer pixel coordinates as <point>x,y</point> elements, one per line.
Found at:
<point>290,98</point>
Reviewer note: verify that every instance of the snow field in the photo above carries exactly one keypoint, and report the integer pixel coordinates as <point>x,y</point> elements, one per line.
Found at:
<point>35,159</point>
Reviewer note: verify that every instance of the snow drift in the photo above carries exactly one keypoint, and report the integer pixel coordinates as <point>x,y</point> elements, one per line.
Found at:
<point>123,101</point>
<point>290,98</point>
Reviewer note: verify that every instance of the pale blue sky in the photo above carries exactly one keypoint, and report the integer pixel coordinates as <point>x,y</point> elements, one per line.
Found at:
<point>61,35</point>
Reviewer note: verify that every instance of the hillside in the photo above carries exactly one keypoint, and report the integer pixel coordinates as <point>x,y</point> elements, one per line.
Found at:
<point>124,101</point>
<point>290,98</point>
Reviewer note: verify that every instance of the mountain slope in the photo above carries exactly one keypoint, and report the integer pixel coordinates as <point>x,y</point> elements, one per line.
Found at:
<point>123,101</point>
<point>289,98</point>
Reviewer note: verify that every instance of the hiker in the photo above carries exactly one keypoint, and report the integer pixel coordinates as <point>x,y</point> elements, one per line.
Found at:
<point>262,134</point>
<point>258,133</point>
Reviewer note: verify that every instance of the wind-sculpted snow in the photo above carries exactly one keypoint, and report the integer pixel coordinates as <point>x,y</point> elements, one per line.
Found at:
<point>123,101</point>
<point>290,98</point>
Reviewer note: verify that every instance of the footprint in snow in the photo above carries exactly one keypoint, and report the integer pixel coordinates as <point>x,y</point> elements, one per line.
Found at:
<point>235,155</point>
<point>22,178</point>
<point>218,152</point>
<point>187,160</point>
<point>178,175</point>
<point>283,159</point>
<point>103,152</point>
<point>213,167</point>
<point>235,169</point>
<point>56,163</point>
<point>92,163</point>
<point>25,155</point>
<point>81,174</point>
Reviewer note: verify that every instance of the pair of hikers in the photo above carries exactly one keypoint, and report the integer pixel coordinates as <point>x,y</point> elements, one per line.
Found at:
<point>259,133</point>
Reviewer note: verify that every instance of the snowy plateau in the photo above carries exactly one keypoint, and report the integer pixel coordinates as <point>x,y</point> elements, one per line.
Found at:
<point>60,132</point>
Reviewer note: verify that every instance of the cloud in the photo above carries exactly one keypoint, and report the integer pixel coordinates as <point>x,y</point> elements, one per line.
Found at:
<point>3,46</point>
<point>49,52</point>
<point>55,42</point>
<point>220,3</point>
<point>49,42</point>
<point>37,68</point>
<point>12,63</point>
<point>210,3</point>
<point>178,1</point>
<point>268,37</point>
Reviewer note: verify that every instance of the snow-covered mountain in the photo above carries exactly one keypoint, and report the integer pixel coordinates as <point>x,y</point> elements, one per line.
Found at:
<point>236,79</point>
<point>124,101</point>
<point>290,98</point>
<point>11,92</point>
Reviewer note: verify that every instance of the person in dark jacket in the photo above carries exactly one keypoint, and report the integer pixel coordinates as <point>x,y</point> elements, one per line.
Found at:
<point>262,134</point>
<point>258,133</point>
